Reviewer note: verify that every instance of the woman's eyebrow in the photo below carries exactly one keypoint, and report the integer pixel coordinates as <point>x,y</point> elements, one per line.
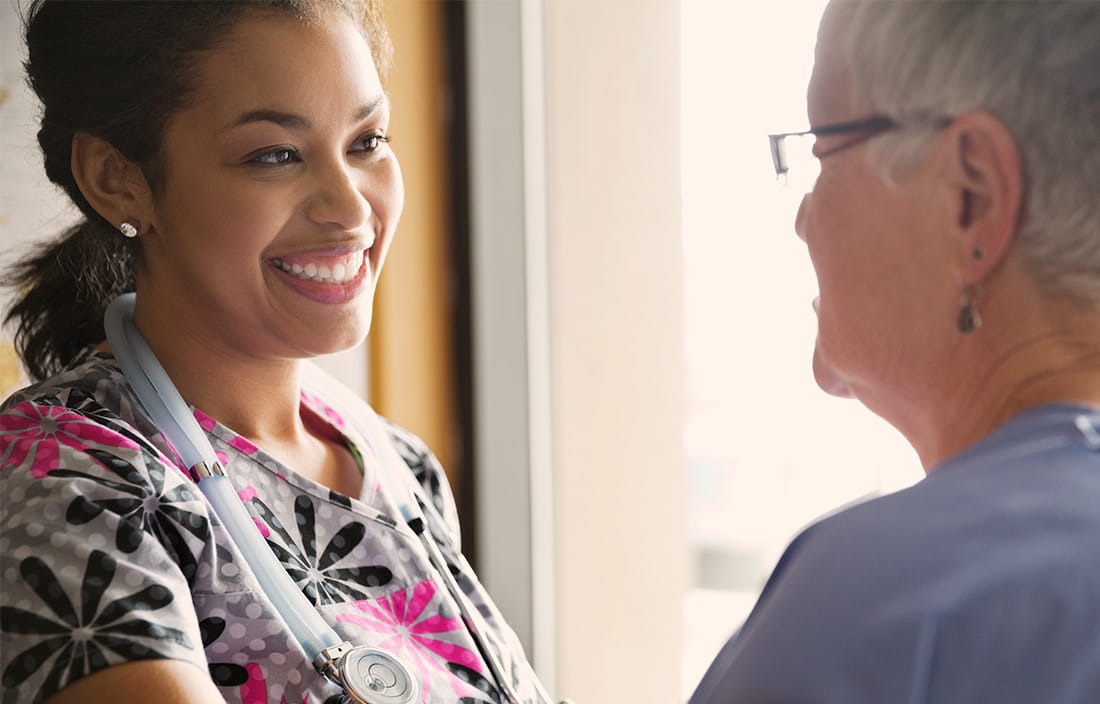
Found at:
<point>380,100</point>
<point>293,121</point>
<point>288,120</point>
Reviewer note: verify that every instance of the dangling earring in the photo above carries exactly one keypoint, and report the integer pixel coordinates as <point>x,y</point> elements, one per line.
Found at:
<point>128,229</point>
<point>969,319</point>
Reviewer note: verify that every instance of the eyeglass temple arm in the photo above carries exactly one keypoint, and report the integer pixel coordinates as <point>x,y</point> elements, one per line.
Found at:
<point>779,153</point>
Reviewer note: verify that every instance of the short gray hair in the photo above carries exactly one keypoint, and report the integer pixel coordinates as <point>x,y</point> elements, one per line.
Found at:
<point>1032,64</point>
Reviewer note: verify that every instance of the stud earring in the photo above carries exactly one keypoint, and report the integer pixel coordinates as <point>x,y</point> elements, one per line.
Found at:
<point>969,319</point>
<point>128,229</point>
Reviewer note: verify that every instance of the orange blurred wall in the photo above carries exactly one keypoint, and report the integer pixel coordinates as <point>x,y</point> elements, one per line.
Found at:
<point>411,374</point>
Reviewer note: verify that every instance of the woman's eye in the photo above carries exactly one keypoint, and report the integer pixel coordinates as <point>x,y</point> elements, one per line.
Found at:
<point>370,142</point>
<point>276,157</point>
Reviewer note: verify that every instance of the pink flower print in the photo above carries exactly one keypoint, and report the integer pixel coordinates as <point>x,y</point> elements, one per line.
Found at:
<point>245,446</point>
<point>416,636</point>
<point>321,408</point>
<point>247,494</point>
<point>31,434</point>
<point>254,691</point>
<point>205,422</point>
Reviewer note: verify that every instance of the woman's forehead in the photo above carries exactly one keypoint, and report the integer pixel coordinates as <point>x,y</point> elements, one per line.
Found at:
<point>282,63</point>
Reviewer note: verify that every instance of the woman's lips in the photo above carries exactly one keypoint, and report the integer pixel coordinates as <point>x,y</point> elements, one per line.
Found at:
<point>826,377</point>
<point>330,268</point>
<point>325,278</point>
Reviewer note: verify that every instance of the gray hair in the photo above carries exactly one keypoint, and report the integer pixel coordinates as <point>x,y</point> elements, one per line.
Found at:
<point>1032,64</point>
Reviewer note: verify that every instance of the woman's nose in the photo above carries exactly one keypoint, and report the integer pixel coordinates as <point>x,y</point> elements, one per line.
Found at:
<point>800,217</point>
<point>340,199</point>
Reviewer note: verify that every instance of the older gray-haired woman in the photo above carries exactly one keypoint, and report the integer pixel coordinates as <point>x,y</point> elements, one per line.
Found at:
<point>955,233</point>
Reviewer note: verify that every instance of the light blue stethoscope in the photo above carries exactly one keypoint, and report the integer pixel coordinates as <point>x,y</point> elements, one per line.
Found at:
<point>367,675</point>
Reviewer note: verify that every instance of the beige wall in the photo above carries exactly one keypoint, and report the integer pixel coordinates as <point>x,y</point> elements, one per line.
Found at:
<point>616,297</point>
<point>577,300</point>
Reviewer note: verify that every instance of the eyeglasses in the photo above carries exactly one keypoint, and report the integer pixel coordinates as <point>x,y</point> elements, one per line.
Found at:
<point>796,149</point>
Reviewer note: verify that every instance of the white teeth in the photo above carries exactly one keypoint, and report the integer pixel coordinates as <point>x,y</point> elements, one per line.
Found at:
<point>339,273</point>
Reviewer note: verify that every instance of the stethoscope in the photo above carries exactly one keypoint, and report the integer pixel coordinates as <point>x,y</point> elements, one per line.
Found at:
<point>367,675</point>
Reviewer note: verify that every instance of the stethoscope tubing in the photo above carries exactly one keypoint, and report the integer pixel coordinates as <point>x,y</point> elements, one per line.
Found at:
<point>170,412</point>
<point>411,509</point>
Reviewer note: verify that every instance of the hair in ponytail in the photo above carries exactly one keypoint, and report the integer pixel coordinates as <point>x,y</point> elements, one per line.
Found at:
<point>117,70</point>
<point>68,284</point>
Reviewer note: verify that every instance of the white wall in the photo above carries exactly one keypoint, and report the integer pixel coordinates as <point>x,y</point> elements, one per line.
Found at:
<point>30,207</point>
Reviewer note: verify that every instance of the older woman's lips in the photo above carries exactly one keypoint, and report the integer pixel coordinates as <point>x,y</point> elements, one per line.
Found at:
<point>826,377</point>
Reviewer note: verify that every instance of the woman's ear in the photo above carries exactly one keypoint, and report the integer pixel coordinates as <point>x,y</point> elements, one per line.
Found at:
<point>987,199</point>
<point>112,184</point>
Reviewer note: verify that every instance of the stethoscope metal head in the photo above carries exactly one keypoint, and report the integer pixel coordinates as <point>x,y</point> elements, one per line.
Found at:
<point>371,676</point>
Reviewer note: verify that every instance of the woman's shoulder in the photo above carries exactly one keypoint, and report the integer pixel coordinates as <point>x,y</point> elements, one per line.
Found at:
<point>93,374</point>
<point>85,409</point>
<point>92,511</point>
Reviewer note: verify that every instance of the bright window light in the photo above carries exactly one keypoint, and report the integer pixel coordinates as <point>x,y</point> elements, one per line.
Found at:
<point>766,451</point>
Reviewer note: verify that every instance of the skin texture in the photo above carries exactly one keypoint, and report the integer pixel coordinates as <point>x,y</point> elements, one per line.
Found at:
<point>163,681</point>
<point>228,326</point>
<point>893,262</point>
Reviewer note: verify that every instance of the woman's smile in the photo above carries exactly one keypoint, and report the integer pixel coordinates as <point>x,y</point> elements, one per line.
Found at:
<point>280,254</point>
<point>329,269</point>
<point>325,277</point>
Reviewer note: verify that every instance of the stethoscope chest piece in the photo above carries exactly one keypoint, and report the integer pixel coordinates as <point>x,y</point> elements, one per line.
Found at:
<point>372,676</point>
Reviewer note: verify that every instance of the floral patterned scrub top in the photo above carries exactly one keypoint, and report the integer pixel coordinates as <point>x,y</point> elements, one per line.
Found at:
<point>109,553</point>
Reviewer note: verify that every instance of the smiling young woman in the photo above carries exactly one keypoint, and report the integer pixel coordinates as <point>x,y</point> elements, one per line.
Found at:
<point>234,170</point>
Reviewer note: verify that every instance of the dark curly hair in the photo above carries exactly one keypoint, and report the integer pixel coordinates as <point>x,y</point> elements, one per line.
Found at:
<point>117,70</point>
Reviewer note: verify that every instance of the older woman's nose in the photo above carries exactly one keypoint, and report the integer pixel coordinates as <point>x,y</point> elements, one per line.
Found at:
<point>800,216</point>
<point>340,200</point>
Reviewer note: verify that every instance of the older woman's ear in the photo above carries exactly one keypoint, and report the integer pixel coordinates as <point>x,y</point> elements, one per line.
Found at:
<point>111,183</point>
<point>986,177</point>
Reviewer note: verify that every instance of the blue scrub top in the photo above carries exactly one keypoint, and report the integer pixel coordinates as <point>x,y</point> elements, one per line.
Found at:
<point>980,583</point>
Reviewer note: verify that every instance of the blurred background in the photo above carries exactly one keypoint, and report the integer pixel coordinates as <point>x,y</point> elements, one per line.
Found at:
<point>596,313</point>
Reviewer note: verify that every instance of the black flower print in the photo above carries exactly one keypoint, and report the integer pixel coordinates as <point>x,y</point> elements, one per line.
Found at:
<point>338,498</point>
<point>318,575</point>
<point>474,679</point>
<point>144,506</point>
<point>82,402</point>
<point>423,466</point>
<point>224,674</point>
<point>83,637</point>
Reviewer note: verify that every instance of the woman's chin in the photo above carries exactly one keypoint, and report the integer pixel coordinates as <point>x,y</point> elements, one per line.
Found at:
<point>828,379</point>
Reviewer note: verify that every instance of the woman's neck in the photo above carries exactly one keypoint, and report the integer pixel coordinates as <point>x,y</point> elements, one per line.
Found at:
<point>257,398</point>
<point>1060,365</point>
